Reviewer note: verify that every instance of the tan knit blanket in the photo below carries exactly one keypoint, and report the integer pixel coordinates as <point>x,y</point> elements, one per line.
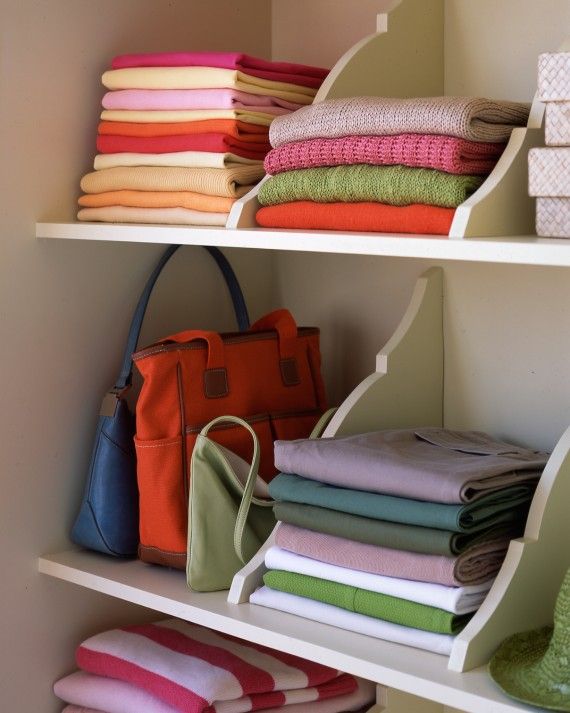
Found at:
<point>465,117</point>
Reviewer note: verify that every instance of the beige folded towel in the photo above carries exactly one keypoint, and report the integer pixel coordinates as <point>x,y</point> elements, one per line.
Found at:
<point>170,216</point>
<point>168,116</point>
<point>184,159</point>
<point>469,118</point>
<point>230,182</point>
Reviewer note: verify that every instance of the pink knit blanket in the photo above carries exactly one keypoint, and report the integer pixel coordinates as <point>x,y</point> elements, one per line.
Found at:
<point>444,153</point>
<point>194,669</point>
<point>185,99</point>
<point>301,74</point>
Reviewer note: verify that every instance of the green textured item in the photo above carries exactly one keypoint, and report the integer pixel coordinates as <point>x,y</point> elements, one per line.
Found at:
<point>395,185</point>
<point>534,666</point>
<point>497,507</point>
<point>362,601</point>
<point>398,536</point>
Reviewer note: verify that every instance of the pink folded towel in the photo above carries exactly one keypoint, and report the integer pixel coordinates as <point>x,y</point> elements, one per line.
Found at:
<point>301,74</point>
<point>444,153</point>
<point>86,692</point>
<point>194,669</point>
<point>187,99</point>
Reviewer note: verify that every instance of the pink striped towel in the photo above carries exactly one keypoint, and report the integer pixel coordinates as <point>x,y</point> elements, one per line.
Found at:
<point>193,669</point>
<point>86,692</point>
<point>444,153</point>
<point>185,99</point>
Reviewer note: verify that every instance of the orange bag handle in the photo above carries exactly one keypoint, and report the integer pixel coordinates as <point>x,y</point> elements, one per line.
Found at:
<point>284,323</point>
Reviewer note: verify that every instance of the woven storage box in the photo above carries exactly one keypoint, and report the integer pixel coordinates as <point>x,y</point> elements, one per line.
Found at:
<point>553,217</point>
<point>554,76</point>
<point>557,124</point>
<point>549,172</point>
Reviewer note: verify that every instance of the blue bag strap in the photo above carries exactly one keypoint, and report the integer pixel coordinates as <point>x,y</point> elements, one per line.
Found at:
<point>235,293</point>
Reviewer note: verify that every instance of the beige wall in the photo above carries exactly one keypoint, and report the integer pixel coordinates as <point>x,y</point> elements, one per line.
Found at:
<point>65,306</point>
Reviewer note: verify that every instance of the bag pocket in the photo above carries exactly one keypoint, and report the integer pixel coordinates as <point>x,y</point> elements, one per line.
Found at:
<point>163,500</point>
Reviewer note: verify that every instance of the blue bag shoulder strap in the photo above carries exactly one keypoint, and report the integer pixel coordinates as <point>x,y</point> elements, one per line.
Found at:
<point>234,288</point>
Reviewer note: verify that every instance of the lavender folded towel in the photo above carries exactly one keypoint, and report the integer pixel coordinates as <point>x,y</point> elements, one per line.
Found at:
<point>470,118</point>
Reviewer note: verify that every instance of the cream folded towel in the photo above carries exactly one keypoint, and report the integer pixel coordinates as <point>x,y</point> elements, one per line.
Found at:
<point>184,159</point>
<point>168,116</point>
<point>168,216</point>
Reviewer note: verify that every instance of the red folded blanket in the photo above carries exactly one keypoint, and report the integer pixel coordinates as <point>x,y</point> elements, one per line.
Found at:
<point>231,127</point>
<point>445,153</point>
<point>362,217</point>
<point>214,142</point>
<point>301,74</point>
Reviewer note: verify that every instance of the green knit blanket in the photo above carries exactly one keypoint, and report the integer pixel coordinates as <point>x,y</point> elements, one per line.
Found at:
<point>396,185</point>
<point>362,601</point>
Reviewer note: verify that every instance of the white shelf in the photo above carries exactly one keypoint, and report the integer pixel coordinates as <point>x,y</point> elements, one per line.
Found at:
<point>524,250</point>
<point>407,669</point>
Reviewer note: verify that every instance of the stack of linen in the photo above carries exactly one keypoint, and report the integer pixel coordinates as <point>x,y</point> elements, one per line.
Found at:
<point>397,534</point>
<point>183,135</point>
<point>382,164</point>
<point>173,666</point>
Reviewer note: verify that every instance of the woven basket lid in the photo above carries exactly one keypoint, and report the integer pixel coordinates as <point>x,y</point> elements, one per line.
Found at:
<point>534,666</point>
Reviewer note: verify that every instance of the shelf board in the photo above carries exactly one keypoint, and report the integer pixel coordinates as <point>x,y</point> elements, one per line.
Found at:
<point>410,670</point>
<point>523,250</point>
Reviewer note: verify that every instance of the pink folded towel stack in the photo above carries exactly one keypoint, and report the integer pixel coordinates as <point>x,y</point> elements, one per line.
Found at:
<point>183,112</point>
<point>173,666</point>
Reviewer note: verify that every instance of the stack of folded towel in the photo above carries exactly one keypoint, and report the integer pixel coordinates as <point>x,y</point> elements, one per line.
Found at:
<point>382,164</point>
<point>397,534</point>
<point>172,666</point>
<point>183,135</point>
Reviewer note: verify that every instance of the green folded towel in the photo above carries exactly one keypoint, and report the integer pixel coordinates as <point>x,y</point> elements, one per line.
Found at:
<point>362,601</point>
<point>426,540</point>
<point>396,185</point>
<point>499,506</point>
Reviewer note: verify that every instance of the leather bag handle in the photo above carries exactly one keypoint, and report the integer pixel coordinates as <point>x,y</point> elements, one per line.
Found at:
<point>284,323</point>
<point>232,283</point>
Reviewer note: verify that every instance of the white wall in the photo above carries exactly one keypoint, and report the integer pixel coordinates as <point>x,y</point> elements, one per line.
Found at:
<point>506,327</point>
<point>65,306</point>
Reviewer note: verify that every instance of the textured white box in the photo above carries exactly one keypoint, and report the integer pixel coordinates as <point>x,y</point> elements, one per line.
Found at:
<point>557,124</point>
<point>554,76</point>
<point>553,217</point>
<point>549,172</point>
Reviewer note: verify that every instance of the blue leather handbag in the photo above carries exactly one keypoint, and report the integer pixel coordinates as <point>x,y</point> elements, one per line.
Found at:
<point>108,518</point>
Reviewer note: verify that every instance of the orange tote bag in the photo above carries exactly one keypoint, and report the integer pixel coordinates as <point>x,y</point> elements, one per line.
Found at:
<point>269,375</point>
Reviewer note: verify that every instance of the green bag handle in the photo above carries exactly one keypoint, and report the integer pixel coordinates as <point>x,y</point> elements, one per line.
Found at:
<point>247,495</point>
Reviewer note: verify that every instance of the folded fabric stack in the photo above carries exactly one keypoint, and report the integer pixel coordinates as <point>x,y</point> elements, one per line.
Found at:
<point>183,135</point>
<point>397,534</point>
<point>173,666</point>
<point>382,164</point>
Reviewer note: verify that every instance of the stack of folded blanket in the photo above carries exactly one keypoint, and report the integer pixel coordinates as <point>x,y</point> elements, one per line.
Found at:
<point>397,534</point>
<point>382,164</point>
<point>173,666</point>
<point>183,135</point>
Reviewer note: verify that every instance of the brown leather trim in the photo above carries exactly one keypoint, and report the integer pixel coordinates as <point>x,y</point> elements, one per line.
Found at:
<point>257,418</point>
<point>216,383</point>
<point>289,371</point>
<point>228,338</point>
<point>153,555</point>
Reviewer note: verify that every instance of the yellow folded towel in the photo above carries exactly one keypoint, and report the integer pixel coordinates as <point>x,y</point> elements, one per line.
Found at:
<point>172,116</point>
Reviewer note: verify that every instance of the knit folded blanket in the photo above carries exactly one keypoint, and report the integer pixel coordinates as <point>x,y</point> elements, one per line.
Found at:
<point>248,116</point>
<point>362,601</point>
<point>230,182</point>
<point>302,74</point>
<point>176,99</point>
<point>189,142</point>
<point>204,78</point>
<point>394,535</point>
<point>495,508</point>
<point>432,464</point>
<point>444,153</point>
<point>470,118</point>
<point>158,199</point>
<point>168,216</point>
<point>366,217</point>
<point>475,565</point>
<point>349,621</point>
<point>183,159</point>
<point>232,127</point>
<point>194,669</point>
<point>458,600</point>
<point>395,185</point>
<point>86,692</point>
